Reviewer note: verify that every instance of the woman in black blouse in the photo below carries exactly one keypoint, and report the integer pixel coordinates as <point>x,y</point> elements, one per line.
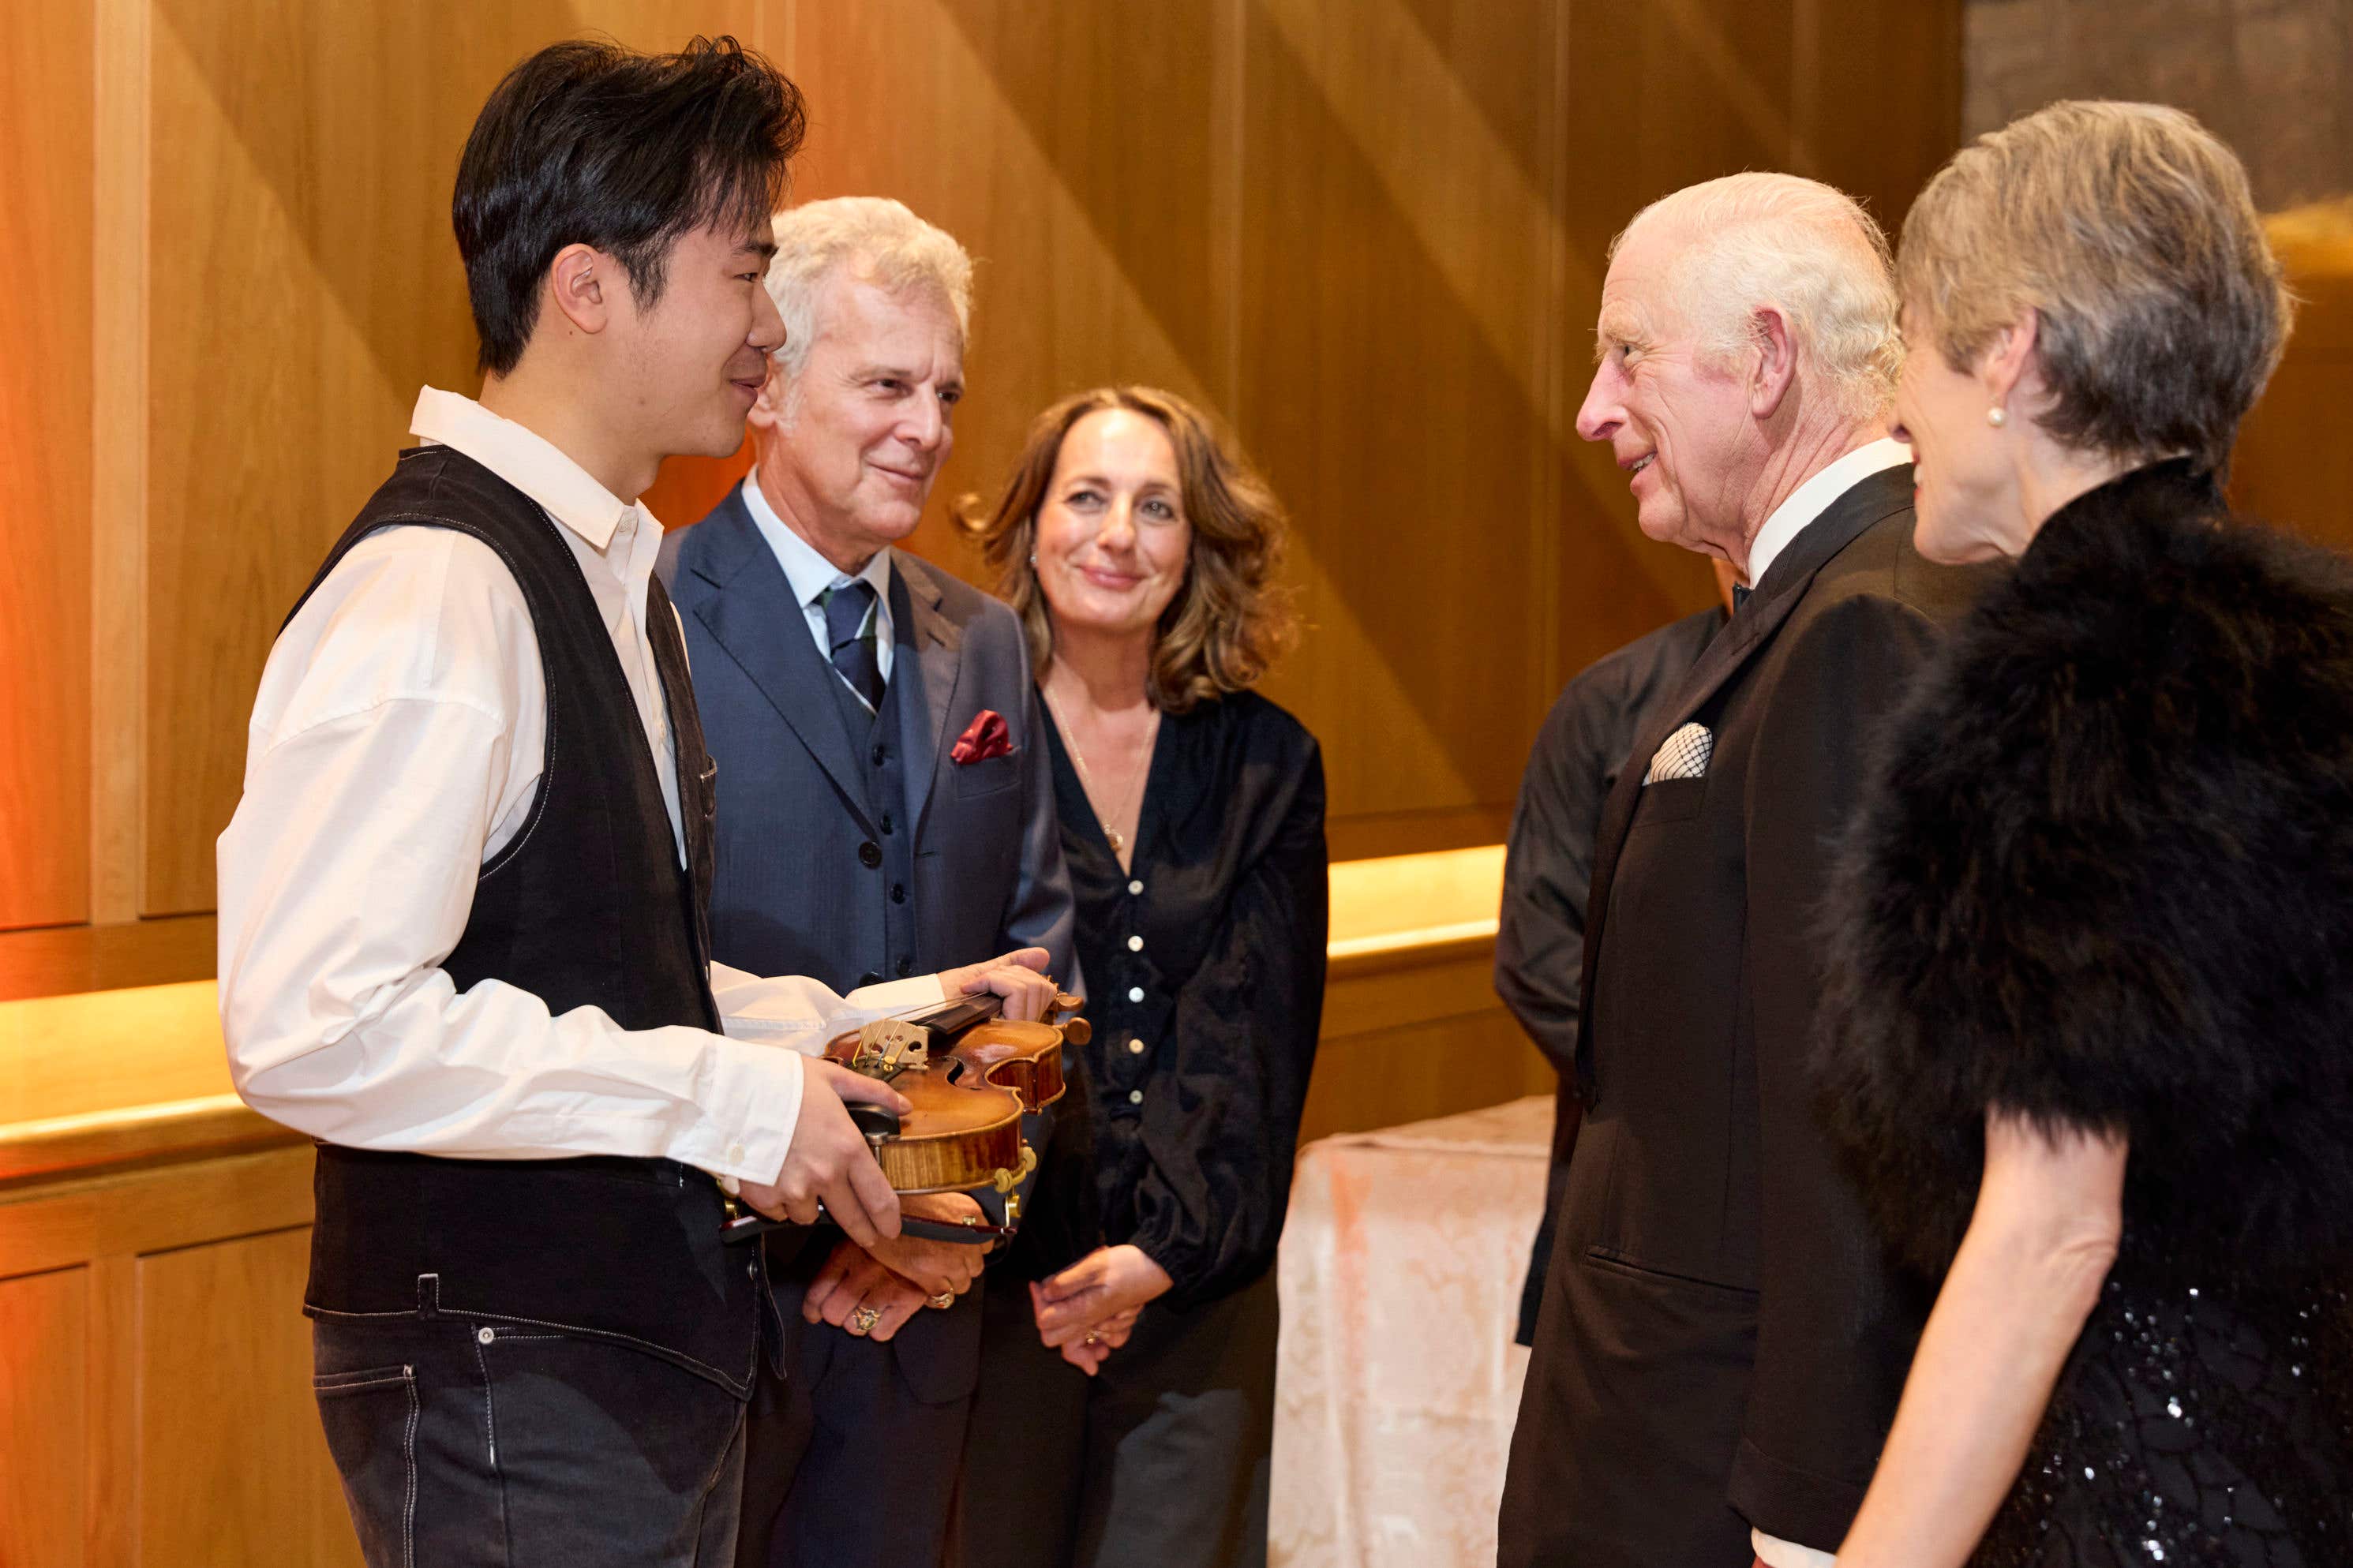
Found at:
<point>1125,1408</point>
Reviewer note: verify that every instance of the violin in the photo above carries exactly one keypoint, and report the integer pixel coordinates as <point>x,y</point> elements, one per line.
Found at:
<point>970,1075</point>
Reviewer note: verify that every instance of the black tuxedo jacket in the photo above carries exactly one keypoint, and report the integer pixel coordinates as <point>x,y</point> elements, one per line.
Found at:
<point>1721,1343</point>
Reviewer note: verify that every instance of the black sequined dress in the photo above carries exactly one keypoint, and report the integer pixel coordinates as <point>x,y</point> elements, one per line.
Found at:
<point>2191,1429</point>
<point>2103,877</point>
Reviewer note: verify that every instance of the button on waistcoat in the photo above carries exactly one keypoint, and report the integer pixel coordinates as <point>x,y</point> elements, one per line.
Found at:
<point>887,859</point>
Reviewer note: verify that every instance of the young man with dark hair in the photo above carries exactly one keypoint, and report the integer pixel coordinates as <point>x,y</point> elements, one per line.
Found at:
<point>464,939</point>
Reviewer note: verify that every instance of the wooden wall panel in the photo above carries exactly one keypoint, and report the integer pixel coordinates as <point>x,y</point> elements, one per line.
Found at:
<point>46,395</point>
<point>228,1437</point>
<point>1369,233</point>
<point>304,284</point>
<point>2293,464</point>
<point>44,1417</point>
<point>1419,1070</point>
<point>1397,324</point>
<point>1075,151</point>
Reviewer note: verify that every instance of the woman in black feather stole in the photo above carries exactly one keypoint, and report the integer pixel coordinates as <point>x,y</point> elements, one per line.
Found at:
<point>2092,949</point>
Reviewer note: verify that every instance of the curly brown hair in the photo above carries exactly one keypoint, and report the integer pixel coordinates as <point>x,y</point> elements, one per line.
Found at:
<point>1230,619</point>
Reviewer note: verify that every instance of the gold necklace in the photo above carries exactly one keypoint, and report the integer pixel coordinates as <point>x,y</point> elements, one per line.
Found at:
<point>1113,835</point>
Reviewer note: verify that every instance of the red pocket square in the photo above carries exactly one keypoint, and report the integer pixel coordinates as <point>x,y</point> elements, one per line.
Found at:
<point>986,737</point>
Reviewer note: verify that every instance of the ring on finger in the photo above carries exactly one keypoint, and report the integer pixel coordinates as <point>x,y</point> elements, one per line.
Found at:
<point>942,1301</point>
<point>862,1321</point>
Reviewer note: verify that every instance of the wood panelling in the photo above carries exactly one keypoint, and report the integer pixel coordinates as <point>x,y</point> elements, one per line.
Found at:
<point>270,1494</point>
<point>44,1417</point>
<point>46,370</point>
<point>154,1397</point>
<point>1367,233</point>
<point>1077,162</point>
<point>1416,1071</point>
<point>304,284</point>
<point>59,959</point>
<point>2293,465</point>
<point>1398,311</point>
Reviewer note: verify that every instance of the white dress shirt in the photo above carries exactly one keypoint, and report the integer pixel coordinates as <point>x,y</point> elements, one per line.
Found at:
<point>811,574</point>
<point>396,743</point>
<point>1813,498</point>
<point>1791,517</point>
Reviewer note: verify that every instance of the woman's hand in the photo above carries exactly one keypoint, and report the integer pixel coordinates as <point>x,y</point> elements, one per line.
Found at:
<point>1086,1297</point>
<point>1087,1353</point>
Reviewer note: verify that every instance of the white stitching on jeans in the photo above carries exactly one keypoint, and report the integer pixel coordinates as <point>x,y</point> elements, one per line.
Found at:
<point>408,1455</point>
<point>489,1408</point>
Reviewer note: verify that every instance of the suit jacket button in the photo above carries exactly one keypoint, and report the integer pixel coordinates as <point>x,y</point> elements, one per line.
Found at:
<point>906,967</point>
<point>869,854</point>
<point>881,755</point>
<point>898,892</point>
<point>869,978</point>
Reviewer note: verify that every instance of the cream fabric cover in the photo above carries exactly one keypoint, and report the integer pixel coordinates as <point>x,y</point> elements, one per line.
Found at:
<point>1397,1381</point>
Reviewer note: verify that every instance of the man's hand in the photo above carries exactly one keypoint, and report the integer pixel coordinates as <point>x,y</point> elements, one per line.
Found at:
<point>1091,1294</point>
<point>828,1159</point>
<point>1019,977</point>
<point>858,1296</point>
<point>937,1268</point>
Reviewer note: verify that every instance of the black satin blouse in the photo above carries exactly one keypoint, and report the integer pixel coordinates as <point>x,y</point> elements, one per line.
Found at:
<point>1203,967</point>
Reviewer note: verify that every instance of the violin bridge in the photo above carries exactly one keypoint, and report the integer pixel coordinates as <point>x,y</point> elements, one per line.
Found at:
<point>888,1047</point>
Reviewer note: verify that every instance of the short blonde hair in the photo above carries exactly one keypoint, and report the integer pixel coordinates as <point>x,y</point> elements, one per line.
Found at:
<point>1230,619</point>
<point>2129,230</point>
<point>875,239</point>
<point>1760,239</point>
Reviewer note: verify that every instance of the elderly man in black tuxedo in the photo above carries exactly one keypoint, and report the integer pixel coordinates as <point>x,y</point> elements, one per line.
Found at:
<point>888,798</point>
<point>1719,1349</point>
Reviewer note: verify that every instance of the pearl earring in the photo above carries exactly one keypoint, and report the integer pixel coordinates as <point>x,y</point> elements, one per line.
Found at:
<point>1997,416</point>
<point>1033,561</point>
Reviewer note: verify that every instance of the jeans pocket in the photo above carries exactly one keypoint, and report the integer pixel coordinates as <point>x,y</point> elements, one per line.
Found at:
<point>370,1419</point>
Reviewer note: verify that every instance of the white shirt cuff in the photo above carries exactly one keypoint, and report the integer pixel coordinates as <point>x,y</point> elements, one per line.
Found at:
<point>1776,1552</point>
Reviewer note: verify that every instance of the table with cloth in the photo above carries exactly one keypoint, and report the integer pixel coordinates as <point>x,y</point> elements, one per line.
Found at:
<point>1397,1381</point>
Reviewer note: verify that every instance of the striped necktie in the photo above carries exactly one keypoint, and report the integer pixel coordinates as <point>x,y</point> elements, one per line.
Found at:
<point>849,634</point>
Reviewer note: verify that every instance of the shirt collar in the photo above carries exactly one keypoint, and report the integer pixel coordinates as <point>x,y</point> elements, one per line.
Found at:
<point>525,460</point>
<point>1813,498</point>
<point>810,572</point>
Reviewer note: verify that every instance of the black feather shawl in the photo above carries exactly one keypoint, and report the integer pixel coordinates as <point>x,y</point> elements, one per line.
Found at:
<point>2104,876</point>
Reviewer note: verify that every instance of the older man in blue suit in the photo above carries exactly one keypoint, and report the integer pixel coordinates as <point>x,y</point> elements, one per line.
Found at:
<point>888,811</point>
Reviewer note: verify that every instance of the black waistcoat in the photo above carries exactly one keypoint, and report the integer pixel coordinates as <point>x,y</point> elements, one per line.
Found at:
<point>883,771</point>
<point>587,907</point>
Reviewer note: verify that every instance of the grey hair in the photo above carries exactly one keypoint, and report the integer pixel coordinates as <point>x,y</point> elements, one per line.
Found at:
<point>1806,248</point>
<point>2130,231</point>
<point>875,239</point>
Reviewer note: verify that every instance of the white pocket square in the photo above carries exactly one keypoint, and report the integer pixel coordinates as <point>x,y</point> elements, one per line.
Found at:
<point>1682,755</point>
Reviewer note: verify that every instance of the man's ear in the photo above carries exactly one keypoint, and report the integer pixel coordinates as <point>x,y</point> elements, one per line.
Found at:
<point>767,411</point>
<point>1776,359</point>
<point>581,282</point>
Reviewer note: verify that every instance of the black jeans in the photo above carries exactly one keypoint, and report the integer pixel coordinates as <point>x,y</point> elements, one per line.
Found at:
<point>490,1446</point>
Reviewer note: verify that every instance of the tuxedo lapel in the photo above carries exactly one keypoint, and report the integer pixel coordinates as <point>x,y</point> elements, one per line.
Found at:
<point>931,649</point>
<point>749,612</point>
<point>1742,639</point>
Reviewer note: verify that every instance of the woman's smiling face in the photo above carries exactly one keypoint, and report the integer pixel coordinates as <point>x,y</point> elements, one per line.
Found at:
<point>1113,540</point>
